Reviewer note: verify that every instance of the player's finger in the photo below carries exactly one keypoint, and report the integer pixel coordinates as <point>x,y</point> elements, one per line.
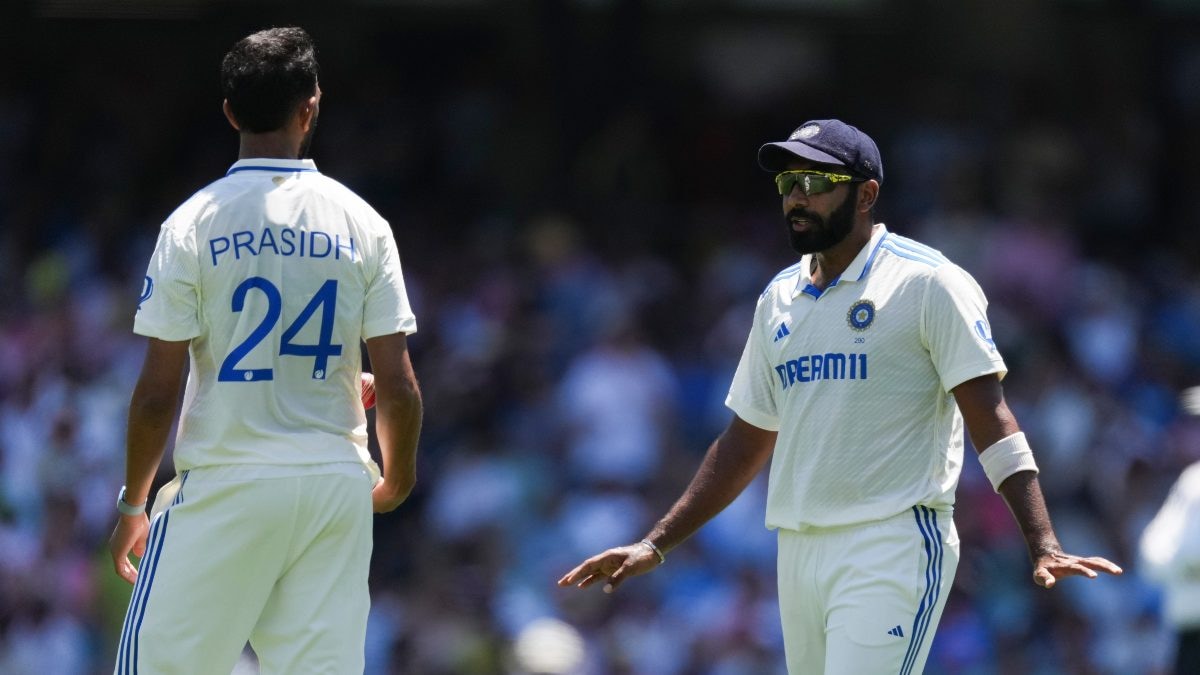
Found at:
<point>1102,564</point>
<point>581,570</point>
<point>1074,569</point>
<point>617,577</point>
<point>124,568</point>
<point>128,572</point>
<point>589,580</point>
<point>590,575</point>
<point>593,565</point>
<point>139,547</point>
<point>1042,577</point>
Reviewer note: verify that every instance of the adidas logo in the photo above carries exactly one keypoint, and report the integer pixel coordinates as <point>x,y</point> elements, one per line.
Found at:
<point>782,332</point>
<point>897,631</point>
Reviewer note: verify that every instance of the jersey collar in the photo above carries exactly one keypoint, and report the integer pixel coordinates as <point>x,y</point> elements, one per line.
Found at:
<point>273,165</point>
<point>856,271</point>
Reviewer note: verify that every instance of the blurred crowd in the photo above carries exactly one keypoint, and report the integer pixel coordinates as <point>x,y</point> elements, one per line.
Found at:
<point>584,233</point>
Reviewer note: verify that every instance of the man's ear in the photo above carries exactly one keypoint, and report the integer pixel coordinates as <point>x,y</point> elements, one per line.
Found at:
<point>308,111</point>
<point>225,108</point>
<point>867,194</point>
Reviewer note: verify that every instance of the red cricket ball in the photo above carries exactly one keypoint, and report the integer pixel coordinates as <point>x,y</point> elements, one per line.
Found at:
<point>368,390</point>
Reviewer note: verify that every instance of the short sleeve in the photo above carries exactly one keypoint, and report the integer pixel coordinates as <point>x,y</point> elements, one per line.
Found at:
<point>169,306</point>
<point>386,309</point>
<point>956,329</point>
<point>752,393</point>
<point>1170,544</point>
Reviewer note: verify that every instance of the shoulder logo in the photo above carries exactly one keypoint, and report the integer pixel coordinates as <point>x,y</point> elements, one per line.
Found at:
<point>147,290</point>
<point>984,331</point>
<point>861,314</point>
<point>806,131</point>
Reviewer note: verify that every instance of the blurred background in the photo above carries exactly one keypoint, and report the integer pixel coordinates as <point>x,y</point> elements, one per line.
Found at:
<point>584,232</point>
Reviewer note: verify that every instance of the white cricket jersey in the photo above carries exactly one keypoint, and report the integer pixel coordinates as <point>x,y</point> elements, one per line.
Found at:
<point>276,274</point>
<point>856,380</point>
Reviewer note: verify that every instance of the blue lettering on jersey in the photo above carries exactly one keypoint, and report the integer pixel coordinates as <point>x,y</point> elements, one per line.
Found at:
<point>288,239</point>
<point>817,367</point>
<point>323,239</point>
<point>288,242</point>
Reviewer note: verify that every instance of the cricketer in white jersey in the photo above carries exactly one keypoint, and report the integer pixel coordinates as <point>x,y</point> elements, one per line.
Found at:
<point>266,283</point>
<point>862,364</point>
<point>856,379</point>
<point>275,273</point>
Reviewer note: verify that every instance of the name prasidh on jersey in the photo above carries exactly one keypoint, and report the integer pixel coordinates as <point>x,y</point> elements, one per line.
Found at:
<point>817,367</point>
<point>283,241</point>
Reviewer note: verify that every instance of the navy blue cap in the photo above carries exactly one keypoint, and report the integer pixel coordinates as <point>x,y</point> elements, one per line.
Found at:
<point>828,142</point>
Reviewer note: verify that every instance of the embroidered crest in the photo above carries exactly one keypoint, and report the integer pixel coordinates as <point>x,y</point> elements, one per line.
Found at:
<point>861,314</point>
<point>806,131</point>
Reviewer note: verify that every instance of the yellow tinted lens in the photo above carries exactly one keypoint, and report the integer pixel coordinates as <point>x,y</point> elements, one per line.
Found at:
<point>810,182</point>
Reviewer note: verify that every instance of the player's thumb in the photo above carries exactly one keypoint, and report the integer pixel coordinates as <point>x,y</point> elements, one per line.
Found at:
<point>1042,577</point>
<point>139,547</point>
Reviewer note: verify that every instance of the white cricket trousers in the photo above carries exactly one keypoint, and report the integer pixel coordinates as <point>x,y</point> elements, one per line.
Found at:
<point>866,599</point>
<point>277,556</point>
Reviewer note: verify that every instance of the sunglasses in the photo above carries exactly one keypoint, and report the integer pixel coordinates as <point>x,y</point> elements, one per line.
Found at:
<point>811,182</point>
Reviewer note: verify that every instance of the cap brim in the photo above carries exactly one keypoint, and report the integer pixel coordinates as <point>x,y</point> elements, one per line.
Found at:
<point>775,157</point>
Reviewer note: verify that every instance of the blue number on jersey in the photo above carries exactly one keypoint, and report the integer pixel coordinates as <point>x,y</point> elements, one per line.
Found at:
<point>274,303</point>
<point>325,298</point>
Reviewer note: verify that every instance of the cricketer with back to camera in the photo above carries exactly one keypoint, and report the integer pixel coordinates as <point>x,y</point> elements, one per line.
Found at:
<point>267,282</point>
<point>863,363</point>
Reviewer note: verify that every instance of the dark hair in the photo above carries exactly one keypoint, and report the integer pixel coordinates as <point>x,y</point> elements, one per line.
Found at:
<point>265,76</point>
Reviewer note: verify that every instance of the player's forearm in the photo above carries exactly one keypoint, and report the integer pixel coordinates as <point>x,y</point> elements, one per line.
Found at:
<point>398,426</point>
<point>728,467</point>
<point>150,419</point>
<point>1023,494</point>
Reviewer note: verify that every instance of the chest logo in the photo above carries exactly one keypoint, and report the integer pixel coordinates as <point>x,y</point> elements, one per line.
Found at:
<point>861,314</point>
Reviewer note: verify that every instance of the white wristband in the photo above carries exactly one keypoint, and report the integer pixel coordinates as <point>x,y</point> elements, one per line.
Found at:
<point>127,509</point>
<point>1006,457</point>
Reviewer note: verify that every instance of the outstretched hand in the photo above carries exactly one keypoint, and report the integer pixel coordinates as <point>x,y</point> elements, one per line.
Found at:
<point>1050,567</point>
<point>612,566</point>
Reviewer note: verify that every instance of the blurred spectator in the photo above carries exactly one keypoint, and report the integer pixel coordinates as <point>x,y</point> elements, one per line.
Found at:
<point>551,168</point>
<point>618,403</point>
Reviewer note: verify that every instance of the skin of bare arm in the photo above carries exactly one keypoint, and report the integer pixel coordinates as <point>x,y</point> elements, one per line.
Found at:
<point>398,415</point>
<point>731,462</point>
<point>152,410</point>
<point>988,420</point>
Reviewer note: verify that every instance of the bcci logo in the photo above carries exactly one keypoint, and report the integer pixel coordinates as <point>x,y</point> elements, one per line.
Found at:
<point>806,131</point>
<point>861,314</point>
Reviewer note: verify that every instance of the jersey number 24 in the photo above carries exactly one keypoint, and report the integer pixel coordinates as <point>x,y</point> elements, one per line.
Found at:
<point>325,299</point>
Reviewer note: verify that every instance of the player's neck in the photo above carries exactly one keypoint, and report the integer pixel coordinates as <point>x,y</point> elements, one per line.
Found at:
<point>271,145</point>
<point>829,264</point>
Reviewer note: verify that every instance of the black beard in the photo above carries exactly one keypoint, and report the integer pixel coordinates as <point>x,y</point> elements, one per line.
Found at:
<point>823,235</point>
